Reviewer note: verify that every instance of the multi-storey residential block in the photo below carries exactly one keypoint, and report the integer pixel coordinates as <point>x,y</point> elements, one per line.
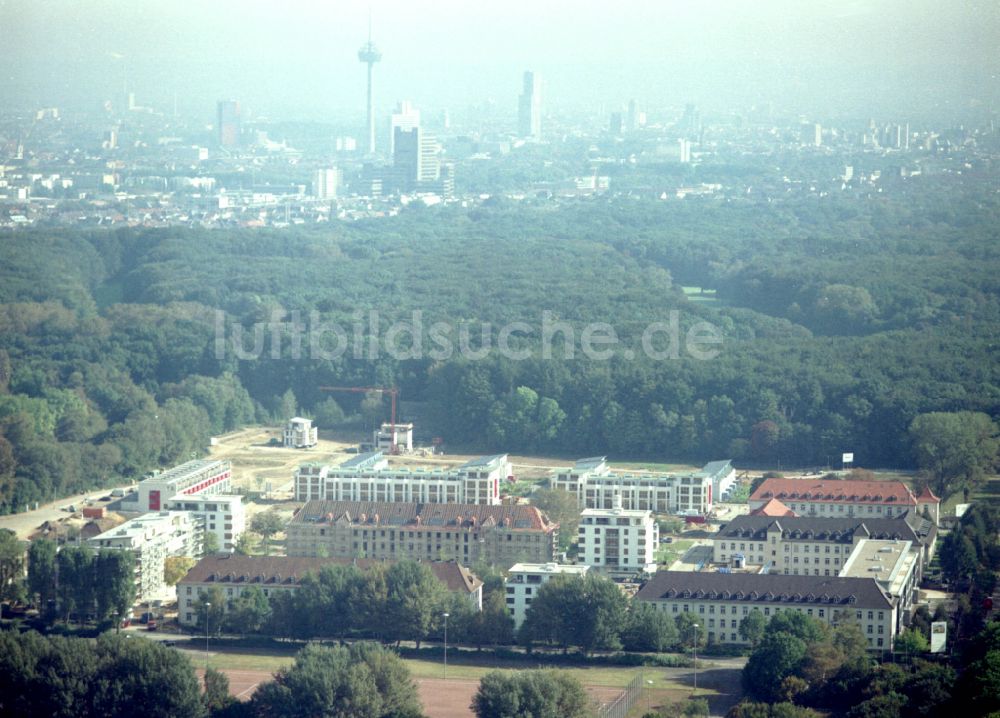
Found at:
<point>595,485</point>
<point>299,433</point>
<point>524,579</point>
<point>814,546</point>
<point>192,478</point>
<point>720,601</point>
<point>219,514</point>
<point>846,498</point>
<point>152,538</point>
<point>283,574</point>
<point>369,477</point>
<point>468,533</point>
<point>618,540</point>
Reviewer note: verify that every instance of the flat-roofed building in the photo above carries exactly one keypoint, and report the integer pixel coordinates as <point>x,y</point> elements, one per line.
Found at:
<point>720,601</point>
<point>192,478</point>
<point>299,433</point>
<point>895,565</point>
<point>468,533</point>
<point>618,540</point>
<point>152,538</point>
<point>524,579</point>
<point>369,477</point>
<point>233,574</point>
<point>840,498</point>
<point>219,514</point>
<point>595,485</point>
<point>389,435</point>
<point>813,545</point>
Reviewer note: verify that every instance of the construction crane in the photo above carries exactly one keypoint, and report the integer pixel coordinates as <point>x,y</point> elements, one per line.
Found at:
<point>393,392</point>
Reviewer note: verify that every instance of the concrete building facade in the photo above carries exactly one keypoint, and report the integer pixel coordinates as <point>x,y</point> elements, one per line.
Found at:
<point>193,478</point>
<point>618,540</point>
<point>299,433</point>
<point>720,601</point>
<point>524,579</point>
<point>369,477</point>
<point>220,514</point>
<point>468,533</point>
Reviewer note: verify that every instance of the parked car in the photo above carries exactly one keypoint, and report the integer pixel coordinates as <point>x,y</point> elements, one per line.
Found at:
<point>151,626</point>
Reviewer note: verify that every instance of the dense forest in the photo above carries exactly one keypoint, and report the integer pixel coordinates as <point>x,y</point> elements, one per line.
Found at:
<point>843,321</point>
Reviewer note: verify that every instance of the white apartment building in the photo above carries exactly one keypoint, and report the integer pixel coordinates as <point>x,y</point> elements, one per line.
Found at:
<point>193,478</point>
<point>720,601</point>
<point>399,434</point>
<point>524,579</point>
<point>618,540</point>
<point>299,433</point>
<point>222,515</point>
<point>846,498</point>
<point>369,477</point>
<point>595,485</point>
<point>152,538</point>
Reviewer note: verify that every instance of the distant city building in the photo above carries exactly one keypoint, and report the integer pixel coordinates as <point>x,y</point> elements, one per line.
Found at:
<point>469,533</point>
<point>684,151</point>
<point>632,116</point>
<point>152,538</point>
<point>299,433</point>
<point>529,111</point>
<point>326,183</point>
<point>595,485</point>
<point>616,125</point>
<point>275,575</point>
<point>368,477</point>
<point>721,601</point>
<point>192,478</point>
<point>416,159</point>
<point>228,123</point>
<point>222,515</point>
<point>845,498</point>
<point>617,540</point>
<point>405,117</point>
<point>524,579</point>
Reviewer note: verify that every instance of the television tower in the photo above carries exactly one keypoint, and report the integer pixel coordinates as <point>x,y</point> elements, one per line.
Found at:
<point>369,54</point>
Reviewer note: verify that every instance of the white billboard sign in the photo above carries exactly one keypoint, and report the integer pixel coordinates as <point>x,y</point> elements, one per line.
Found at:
<point>939,636</point>
<point>848,458</point>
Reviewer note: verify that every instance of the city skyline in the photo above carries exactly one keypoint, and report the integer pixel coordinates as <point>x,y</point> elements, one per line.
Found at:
<point>860,58</point>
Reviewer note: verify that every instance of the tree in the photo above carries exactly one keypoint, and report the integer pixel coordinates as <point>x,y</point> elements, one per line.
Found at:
<point>211,608</point>
<point>75,587</point>
<point>328,414</point>
<point>542,694</point>
<point>957,448</point>
<point>414,602</point>
<point>752,627</point>
<point>690,631</point>
<point>216,696</point>
<point>267,523</point>
<point>245,544</point>
<point>114,583</point>
<point>209,544</point>
<point>588,611</point>
<point>799,625</point>
<point>250,612</point>
<point>176,567</point>
<point>493,625</point>
<point>11,564</point>
<point>42,572</point>
<point>777,656</point>
<point>363,681</point>
<point>911,642</point>
<point>648,629</point>
<point>562,507</point>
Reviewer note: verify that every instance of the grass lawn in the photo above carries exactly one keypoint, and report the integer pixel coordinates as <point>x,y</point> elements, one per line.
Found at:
<point>667,553</point>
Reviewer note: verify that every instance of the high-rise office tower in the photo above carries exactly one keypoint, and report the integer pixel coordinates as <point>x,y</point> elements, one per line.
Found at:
<point>632,118</point>
<point>416,158</point>
<point>405,117</point>
<point>325,183</point>
<point>228,126</point>
<point>529,109</point>
<point>369,54</point>
<point>684,151</point>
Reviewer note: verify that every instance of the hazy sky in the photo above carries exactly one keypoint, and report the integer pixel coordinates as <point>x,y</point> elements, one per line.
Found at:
<point>299,59</point>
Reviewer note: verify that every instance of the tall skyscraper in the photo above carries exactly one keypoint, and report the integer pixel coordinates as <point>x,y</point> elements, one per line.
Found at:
<point>529,109</point>
<point>325,183</point>
<point>228,125</point>
<point>405,117</point>
<point>369,54</point>
<point>416,158</point>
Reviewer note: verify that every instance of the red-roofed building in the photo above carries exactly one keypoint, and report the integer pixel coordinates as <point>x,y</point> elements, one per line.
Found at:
<point>773,507</point>
<point>841,499</point>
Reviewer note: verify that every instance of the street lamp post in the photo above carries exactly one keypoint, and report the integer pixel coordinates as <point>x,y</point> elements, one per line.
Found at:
<point>445,644</point>
<point>208,613</point>
<point>694,647</point>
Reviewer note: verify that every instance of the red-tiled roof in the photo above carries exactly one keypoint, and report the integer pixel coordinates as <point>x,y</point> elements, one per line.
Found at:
<point>289,570</point>
<point>835,492</point>
<point>927,496</point>
<point>773,507</point>
<point>424,516</point>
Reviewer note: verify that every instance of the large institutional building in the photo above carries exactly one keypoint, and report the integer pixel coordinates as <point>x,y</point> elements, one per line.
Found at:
<point>846,498</point>
<point>595,486</point>
<point>283,574</point>
<point>468,533</point>
<point>720,601</point>
<point>368,477</point>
